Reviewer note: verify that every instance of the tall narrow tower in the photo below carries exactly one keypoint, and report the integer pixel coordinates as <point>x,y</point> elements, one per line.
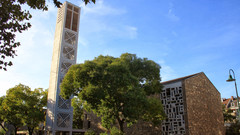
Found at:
<point>59,111</point>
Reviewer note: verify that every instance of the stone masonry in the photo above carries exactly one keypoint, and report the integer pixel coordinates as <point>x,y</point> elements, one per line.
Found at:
<point>203,107</point>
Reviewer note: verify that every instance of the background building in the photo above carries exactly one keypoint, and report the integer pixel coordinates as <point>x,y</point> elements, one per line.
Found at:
<point>231,103</point>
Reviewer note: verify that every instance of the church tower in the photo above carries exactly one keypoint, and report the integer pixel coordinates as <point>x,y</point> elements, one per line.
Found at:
<point>59,111</point>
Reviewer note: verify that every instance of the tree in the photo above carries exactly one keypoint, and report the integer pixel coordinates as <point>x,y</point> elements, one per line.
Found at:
<point>13,19</point>
<point>12,106</point>
<point>1,113</point>
<point>234,128</point>
<point>227,114</point>
<point>21,106</point>
<point>117,89</point>
<point>77,113</point>
<point>33,113</point>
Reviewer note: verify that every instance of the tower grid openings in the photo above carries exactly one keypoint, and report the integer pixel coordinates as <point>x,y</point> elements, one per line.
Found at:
<point>59,110</point>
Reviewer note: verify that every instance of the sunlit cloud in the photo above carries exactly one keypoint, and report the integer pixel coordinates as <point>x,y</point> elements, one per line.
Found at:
<point>166,72</point>
<point>171,14</point>
<point>131,31</point>
<point>100,29</point>
<point>100,9</point>
<point>82,41</point>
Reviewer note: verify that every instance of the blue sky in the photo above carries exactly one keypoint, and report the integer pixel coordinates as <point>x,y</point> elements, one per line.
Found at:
<point>183,36</point>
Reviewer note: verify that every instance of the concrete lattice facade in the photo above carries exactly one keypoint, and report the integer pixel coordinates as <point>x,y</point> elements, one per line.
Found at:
<point>59,111</point>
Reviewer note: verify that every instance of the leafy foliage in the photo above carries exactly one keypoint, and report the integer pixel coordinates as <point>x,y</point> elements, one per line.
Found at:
<point>89,132</point>
<point>77,113</point>
<point>13,105</point>
<point>21,106</point>
<point>35,101</point>
<point>89,1</point>
<point>3,129</point>
<point>14,19</point>
<point>227,114</point>
<point>154,113</point>
<point>115,131</point>
<point>117,88</point>
<point>234,129</point>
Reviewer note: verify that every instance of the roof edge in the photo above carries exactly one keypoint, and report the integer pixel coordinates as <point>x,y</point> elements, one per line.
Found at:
<point>181,78</point>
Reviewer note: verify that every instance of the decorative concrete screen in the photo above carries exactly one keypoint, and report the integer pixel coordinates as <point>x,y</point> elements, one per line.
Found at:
<point>172,100</point>
<point>59,110</point>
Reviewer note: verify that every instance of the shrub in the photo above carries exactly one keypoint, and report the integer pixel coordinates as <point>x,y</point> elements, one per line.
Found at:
<point>90,132</point>
<point>115,131</point>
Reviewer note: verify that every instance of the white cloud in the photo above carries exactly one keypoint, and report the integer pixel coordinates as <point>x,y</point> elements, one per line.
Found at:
<point>171,15</point>
<point>131,31</point>
<point>167,73</point>
<point>122,31</point>
<point>52,10</point>
<point>98,23</point>
<point>82,41</point>
<point>101,9</point>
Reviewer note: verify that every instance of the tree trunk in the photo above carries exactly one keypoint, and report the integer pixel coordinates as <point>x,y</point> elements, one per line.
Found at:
<point>30,130</point>
<point>120,123</point>
<point>3,128</point>
<point>15,130</point>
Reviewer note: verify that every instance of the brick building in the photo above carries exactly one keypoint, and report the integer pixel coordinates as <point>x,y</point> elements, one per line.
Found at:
<point>192,105</point>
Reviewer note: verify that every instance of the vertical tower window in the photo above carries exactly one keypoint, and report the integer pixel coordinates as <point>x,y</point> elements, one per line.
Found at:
<point>72,18</point>
<point>76,9</point>
<point>69,7</point>
<point>68,19</point>
<point>75,22</point>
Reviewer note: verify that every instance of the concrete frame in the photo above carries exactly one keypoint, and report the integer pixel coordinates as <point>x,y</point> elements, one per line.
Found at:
<point>59,111</point>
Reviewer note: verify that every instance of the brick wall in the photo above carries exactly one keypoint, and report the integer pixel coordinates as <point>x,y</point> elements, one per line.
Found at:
<point>203,107</point>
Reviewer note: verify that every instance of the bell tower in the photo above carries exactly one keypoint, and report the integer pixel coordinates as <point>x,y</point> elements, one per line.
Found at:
<point>59,111</point>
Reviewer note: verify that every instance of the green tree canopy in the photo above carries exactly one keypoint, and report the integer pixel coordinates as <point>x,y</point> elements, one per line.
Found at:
<point>23,107</point>
<point>14,19</point>
<point>77,113</point>
<point>227,114</point>
<point>33,113</point>
<point>13,105</point>
<point>234,128</point>
<point>117,88</point>
<point>2,113</point>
